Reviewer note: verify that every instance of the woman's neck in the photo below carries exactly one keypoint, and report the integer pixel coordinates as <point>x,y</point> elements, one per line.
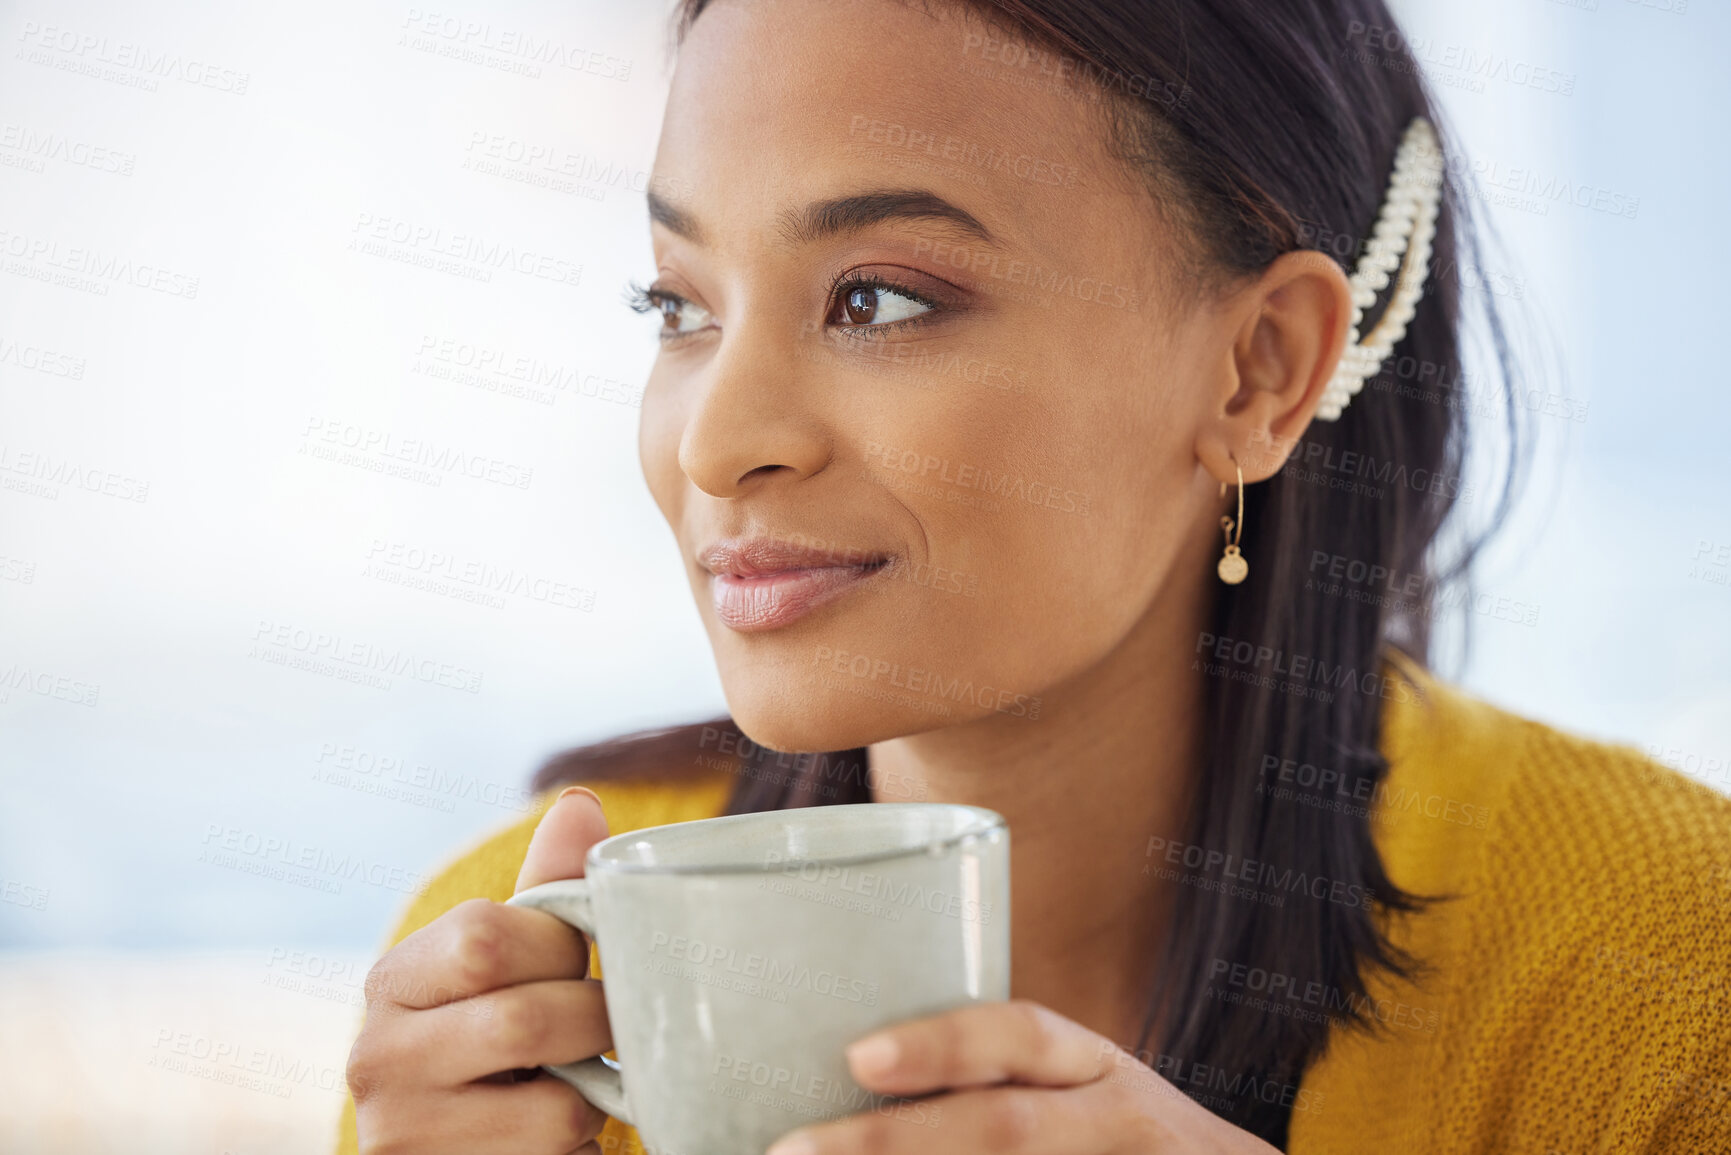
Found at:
<point>1109,763</point>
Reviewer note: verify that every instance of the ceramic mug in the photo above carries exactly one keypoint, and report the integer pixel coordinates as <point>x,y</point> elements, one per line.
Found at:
<point>740,955</point>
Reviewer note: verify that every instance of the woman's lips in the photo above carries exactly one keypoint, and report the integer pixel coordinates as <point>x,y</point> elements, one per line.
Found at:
<point>768,601</point>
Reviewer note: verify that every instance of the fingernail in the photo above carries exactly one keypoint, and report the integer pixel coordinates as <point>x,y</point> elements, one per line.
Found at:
<point>874,1054</point>
<point>578,790</point>
<point>793,1145</point>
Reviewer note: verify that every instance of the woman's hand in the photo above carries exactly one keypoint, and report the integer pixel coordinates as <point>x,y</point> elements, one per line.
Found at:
<point>1021,1080</point>
<point>461,1013</point>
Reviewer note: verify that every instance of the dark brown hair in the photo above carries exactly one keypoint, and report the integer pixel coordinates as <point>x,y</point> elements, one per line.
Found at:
<point>1277,124</point>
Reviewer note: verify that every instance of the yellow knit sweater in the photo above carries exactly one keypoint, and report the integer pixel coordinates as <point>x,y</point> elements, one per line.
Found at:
<point>1579,996</point>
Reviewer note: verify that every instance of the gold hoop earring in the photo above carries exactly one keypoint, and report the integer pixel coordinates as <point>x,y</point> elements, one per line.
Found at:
<point>1233,568</point>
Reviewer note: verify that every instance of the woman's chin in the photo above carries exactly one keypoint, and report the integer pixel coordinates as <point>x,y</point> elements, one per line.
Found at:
<point>820,723</point>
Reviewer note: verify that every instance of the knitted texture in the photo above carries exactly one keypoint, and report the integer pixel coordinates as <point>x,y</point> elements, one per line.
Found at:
<point>1580,983</point>
<point>1576,987</point>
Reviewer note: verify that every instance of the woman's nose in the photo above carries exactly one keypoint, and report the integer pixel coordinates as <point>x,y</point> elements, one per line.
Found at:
<point>754,414</point>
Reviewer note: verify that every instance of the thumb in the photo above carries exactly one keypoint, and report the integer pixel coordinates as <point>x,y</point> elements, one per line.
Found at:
<point>564,835</point>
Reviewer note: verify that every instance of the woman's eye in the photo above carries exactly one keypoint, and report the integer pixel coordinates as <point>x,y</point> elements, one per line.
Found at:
<point>679,315</point>
<point>876,305</point>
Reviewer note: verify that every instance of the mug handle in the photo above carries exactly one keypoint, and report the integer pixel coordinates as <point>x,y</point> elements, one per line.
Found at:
<point>597,1079</point>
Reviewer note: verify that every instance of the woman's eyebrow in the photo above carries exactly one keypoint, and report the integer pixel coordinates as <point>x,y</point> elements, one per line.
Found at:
<point>677,220</point>
<point>827,218</point>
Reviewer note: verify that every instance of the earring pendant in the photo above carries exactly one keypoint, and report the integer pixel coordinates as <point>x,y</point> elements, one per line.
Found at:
<point>1232,568</point>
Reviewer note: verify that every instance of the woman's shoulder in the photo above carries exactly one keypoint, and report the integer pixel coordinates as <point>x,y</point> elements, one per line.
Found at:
<point>1594,885</point>
<point>1573,979</point>
<point>1574,811</point>
<point>488,868</point>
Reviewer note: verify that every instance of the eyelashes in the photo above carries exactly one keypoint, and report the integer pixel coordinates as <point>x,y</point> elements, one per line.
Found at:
<point>644,299</point>
<point>843,300</point>
<point>637,297</point>
<point>640,298</point>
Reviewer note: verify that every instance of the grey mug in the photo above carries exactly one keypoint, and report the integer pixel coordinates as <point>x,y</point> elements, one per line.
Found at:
<point>740,955</point>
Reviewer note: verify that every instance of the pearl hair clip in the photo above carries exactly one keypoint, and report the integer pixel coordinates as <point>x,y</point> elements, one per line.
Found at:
<point>1406,226</point>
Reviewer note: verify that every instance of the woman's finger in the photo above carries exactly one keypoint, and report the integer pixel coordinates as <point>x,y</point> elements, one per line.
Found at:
<point>557,1021</point>
<point>1017,1041</point>
<point>541,1117</point>
<point>1005,1120</point>
<point>557,849</point>
<point>476,946</point>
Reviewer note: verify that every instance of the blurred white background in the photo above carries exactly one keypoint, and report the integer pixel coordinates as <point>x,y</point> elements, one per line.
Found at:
<point>253,257</point>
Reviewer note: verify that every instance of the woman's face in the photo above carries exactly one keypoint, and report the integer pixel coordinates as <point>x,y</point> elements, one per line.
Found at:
<point>913,311</point>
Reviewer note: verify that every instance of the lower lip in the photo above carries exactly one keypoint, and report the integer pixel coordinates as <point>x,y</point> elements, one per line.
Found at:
<point>749,604</point>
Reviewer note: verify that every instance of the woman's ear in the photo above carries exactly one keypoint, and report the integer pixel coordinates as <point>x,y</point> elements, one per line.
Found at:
<point>1291,330</point>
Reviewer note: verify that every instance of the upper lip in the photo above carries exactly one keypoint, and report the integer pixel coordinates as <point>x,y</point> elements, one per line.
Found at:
<point>759,556</point>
